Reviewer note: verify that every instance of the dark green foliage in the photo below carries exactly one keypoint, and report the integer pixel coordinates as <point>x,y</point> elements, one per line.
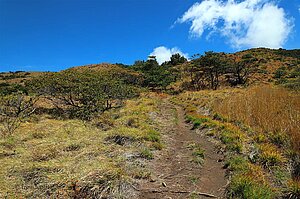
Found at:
<point>176,59</point>
<point>289,77</point>
<point>14,75</point>
<point>289,53</point>
<point>156,77</point>
<point>280,73</point>
<point>239,69</point>
<point>7,89</point>
<point>207,70</point>
<point>83,93</point>
<point>295,72</point>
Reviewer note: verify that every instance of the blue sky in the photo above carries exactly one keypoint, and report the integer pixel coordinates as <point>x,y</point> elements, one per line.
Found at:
<point>50,35</point>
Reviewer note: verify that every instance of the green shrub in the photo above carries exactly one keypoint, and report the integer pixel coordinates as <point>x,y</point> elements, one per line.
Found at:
<point>84,93</point>
<point>293,84</point>
<point>13,110</point>
<point>8,89</point>
<point>280,73</point>
<point>270,156</point>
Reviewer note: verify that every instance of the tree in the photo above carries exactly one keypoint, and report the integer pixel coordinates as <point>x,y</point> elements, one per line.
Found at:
<point>240,68</point>
<point>209,68</point>
<point>176,59</point>
<point>13,110</point>
<point>84,93</point>
<point>156,77</point>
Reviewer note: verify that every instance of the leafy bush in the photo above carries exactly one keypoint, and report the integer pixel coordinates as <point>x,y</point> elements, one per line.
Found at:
<point>280,72</point>
<point>156,77</point>
<point>8,89</point>
<point>83,93</point>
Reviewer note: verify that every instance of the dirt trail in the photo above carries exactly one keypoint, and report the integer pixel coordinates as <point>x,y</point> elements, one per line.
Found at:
<point>174,175</point>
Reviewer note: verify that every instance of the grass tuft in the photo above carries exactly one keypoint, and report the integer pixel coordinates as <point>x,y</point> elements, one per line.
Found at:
<point>242,187</point>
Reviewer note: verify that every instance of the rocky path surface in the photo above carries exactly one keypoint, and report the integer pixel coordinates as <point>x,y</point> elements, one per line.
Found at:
<point>174,174</point>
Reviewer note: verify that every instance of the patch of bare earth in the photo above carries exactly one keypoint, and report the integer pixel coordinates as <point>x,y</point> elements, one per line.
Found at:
<point>174,173</point>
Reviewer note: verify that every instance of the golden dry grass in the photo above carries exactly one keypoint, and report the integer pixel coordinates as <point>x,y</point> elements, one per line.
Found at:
<point>72,158</point>
<point>266,109</point>
<point>255,125</point>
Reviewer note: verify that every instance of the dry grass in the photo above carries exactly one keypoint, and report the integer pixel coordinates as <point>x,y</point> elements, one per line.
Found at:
<point>256,126</point>
<point>74,159</point>
<point>266,109</point>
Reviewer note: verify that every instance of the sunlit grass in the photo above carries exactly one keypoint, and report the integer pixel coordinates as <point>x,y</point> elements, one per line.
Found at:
<point>65,158</point>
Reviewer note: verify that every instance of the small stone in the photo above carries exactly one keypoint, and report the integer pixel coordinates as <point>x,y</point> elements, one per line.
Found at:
<point>152,180</point>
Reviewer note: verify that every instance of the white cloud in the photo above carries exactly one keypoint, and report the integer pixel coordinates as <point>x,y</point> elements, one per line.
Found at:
<point>163,54</point>
<point>248,23</point>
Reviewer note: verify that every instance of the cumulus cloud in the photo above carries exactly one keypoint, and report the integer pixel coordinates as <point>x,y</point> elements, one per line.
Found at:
<point>163,54</point>
<point>248,23</point>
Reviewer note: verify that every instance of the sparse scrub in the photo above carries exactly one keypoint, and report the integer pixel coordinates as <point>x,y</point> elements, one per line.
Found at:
<point>279,139</point>
<point>84,93</point>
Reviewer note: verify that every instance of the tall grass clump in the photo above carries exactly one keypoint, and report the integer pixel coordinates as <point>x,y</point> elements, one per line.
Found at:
<point>269,110</point>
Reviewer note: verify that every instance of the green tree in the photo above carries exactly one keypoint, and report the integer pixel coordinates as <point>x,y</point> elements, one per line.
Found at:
<point>156,77</point>
<point>175,59</point>
<point>239,68</point>
<point>84,93</point>
<point>209,68</point>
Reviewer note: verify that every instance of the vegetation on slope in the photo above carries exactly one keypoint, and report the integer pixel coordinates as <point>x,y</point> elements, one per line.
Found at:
<point>89,131</point>
<point>47,157</point>
<point>257,129</point>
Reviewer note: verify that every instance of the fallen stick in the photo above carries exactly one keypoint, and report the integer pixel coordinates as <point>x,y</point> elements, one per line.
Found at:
<point>189,192</point>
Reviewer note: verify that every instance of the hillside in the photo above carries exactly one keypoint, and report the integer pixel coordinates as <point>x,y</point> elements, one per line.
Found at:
<point>217,126</point>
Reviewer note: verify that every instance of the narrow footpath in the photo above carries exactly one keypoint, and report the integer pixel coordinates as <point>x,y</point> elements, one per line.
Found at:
<point>174,173</point>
